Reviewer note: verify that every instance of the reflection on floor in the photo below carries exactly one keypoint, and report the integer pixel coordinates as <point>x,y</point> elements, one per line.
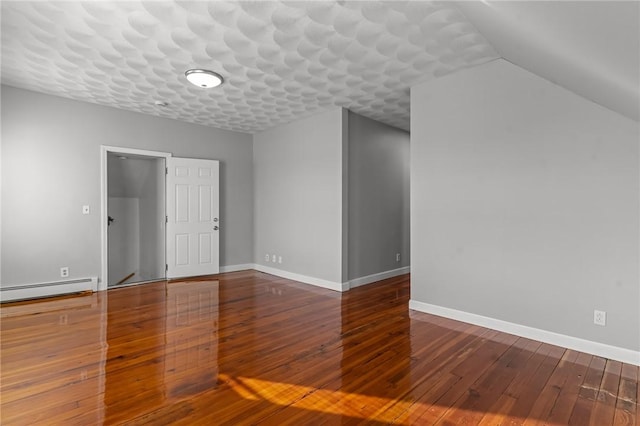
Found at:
<point>250,348</point>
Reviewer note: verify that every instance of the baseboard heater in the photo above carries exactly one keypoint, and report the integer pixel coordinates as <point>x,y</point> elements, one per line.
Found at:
<point>55,288</point>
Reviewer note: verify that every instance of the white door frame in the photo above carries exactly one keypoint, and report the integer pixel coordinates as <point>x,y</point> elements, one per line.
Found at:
<point>103,282</point>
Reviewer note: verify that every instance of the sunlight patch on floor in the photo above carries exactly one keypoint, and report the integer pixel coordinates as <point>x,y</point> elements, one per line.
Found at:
<point>324,400</point>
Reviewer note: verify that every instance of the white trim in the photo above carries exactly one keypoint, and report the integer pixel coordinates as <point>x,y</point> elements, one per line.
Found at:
<point>134,151</point>
<point>48,289</point>
<point>303,278</point>
<point>600,349</point>
<point>104,253</point>
<point>357,282</point>
<point>235,268</point>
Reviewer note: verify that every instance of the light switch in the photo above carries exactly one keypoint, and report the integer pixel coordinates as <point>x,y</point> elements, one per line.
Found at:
<point>85,210</point>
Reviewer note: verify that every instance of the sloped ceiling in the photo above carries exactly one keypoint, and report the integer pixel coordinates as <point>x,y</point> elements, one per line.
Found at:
<point>589,47</point>
<point>130,177</point>
<point>286,60</point>
<point>281,60</point>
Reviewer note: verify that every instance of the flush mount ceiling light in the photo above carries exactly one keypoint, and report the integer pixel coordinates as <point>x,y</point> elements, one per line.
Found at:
<point>204,78</point>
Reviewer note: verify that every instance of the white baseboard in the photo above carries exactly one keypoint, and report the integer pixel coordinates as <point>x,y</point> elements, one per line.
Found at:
<point>55,288</point>
<point>303,278</point>
<point>235,268</point>
<point>600,349</point>
<point>357,282</point>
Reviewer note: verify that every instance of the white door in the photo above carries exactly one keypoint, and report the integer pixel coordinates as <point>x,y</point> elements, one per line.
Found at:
<point>193,222</point>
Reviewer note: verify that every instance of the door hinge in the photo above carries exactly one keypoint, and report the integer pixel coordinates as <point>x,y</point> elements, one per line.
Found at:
<point>166,267</point>
<point>166,170</point>
<point>166,219</point>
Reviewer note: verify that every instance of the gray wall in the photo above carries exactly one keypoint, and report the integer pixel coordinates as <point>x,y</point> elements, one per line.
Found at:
<point>525,204</point>
<point>378,197</point>
<point>51,167</point>
<point>298,196</point>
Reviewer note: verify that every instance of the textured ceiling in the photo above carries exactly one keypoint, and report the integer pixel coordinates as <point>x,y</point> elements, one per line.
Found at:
<point>281,60</point>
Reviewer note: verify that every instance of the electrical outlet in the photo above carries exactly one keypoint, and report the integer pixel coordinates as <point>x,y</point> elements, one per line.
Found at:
<point>273,258</point>
<point>64,272</point>
<point>279,259</point>
<point>266,257</point>
<point>397,257</point>
<point>599,317</point>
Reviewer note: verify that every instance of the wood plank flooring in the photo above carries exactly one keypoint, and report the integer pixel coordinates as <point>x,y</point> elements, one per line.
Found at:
<point>250,348</point>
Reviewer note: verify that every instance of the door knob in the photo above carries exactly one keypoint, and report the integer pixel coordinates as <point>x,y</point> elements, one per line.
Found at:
<point>215,228</point>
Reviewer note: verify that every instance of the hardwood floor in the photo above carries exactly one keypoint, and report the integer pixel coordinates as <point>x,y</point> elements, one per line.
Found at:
<point>250,348</point>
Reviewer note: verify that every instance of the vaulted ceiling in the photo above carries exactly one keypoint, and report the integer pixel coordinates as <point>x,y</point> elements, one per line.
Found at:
<point>282,61</point>
<point>589,47</point>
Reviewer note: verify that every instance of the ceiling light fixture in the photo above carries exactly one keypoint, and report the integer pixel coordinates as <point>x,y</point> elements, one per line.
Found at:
<point>204,78</point>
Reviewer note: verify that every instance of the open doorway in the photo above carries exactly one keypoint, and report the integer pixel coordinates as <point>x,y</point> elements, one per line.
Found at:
<point>160,216</point>
<point>133,196</point>
<point>136,218</point>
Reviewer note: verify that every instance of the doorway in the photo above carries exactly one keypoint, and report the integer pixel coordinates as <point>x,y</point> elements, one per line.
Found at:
<point>120,199</point>
<point>160,216</point>
<point>135,219</point>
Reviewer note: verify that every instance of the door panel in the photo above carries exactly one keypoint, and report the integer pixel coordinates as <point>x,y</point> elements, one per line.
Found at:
<point>192,217</point>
